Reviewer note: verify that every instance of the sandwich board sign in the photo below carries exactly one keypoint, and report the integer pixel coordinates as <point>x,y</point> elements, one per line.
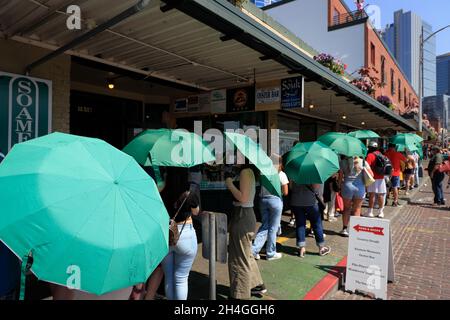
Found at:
<point>25,109</point>
<point>370,263</point>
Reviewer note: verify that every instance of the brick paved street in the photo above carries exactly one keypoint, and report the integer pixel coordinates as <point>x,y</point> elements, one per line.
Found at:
<point>421,251</point>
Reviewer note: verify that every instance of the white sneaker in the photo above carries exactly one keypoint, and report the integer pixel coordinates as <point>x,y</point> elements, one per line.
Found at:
<point>380,215</point>
<point>257,257</point>
<point>292,222</point>
<point>344,233</point>
<point>368,214</point>
<point>276,256</point>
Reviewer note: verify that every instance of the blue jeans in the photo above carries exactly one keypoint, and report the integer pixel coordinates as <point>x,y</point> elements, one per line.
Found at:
<point>436,182</point>
<point>178,263</point>
<point>313,215</point>
<point>271,208</point>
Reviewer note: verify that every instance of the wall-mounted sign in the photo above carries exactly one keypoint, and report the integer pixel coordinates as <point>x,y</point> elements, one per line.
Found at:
<point>25,109</point>
<point>369,262</point>
<point>292,93</point>
<point>192,104</point>
<point>266,96</point>
<point>219,101</point>
<point>180,105</point>
<point>241,99</point>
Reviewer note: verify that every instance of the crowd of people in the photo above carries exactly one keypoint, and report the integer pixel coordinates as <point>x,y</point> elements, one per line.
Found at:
<point>342,194</point>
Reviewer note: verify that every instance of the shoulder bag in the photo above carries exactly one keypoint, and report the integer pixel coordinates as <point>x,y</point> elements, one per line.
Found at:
<point>319,199</point>
<point>174,234</point>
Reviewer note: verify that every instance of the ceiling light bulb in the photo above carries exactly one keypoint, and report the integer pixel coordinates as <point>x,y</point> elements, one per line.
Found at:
<point>344,117</point>
<point>363,123</point>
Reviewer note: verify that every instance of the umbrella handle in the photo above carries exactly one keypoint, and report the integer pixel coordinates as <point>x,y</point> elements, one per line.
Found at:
<point>158,178</point>
<point>27,261</point>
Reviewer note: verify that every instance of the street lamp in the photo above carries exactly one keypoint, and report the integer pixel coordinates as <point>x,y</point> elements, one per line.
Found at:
<point>421,81</point>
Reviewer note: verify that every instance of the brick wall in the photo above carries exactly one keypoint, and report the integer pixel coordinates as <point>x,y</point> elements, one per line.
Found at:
<point>380,50</point>
<point>15,56</point>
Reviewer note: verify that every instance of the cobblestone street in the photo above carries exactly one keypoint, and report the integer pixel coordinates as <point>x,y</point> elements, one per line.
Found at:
<point>421,252</point>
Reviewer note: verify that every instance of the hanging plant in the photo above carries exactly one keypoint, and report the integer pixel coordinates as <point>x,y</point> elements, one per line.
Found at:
<point>330,62</point>
<point>385,100</point>
<point>367,82</point>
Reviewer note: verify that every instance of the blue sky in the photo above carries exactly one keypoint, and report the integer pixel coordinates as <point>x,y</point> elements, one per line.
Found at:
<point>435,12</point>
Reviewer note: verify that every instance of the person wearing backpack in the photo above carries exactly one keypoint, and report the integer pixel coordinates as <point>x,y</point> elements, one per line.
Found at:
<point>380,167</point>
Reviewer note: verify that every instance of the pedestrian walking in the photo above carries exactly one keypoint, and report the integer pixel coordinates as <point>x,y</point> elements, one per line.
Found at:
<point>245,278</point>
<point>417,167</point>
<point>377,191</point>
<point>331,189</point>
<point>410,166</point>
<point>305,205</point>
<point>396,159</point>
<point>271,208</point>
<point>436,176</point>
<point>353,189</point>
<point>181,204</point>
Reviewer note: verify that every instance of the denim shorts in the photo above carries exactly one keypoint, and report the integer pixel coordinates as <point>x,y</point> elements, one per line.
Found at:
<point>395,182</point>
<point>353,189</point>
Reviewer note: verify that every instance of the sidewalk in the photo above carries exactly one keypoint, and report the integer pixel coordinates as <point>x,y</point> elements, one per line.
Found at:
<point>291,277</point>
<point>421,249</point>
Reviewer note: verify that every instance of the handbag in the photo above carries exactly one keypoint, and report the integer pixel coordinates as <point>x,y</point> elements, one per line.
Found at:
<point>339,203</point>
<point>445,166</point>
<point>320,202</point>
<point>367,175</point>
<point>174,234</point>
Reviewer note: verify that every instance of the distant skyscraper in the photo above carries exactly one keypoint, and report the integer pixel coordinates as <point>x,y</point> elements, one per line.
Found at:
<point>443,74</point>
<point>437,110</point>
<point>263,3</point>
<point>403,40</point>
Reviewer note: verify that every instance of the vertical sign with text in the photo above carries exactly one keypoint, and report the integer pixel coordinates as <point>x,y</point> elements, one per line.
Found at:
<point>25,109</point>
<point>369,261</point>
<point>292,92</point>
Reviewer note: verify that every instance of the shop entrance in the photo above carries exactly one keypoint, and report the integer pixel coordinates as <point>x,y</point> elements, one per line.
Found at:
<point>104,117</point>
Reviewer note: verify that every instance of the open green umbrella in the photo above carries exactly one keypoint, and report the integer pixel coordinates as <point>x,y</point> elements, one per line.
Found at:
<point>364,134</point>
<point>253,152</point>
<point>87,212</point>
<point>405,141</point>
<point>311,163</point>
<point>344,144</point>
<point>169,148</point>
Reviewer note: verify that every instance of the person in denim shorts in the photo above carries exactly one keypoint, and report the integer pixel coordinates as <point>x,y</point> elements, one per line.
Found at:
<point>353,189</point>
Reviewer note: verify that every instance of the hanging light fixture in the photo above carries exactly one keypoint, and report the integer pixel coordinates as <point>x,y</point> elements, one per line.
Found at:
<point>110,83</point>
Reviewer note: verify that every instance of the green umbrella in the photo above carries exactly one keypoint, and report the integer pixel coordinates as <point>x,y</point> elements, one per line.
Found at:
<point>311,163</point>
<point>344,144</point>
<point>253,152</point>
<point>364,134</point>
<point>81,206</point>
<point>406,141</point>
<point>169,148</point>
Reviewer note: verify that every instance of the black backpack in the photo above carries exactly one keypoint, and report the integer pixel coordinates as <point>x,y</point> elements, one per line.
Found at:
<point>383,165</point>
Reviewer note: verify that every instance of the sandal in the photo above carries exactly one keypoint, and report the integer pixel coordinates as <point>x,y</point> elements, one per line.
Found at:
<point>302,252</point>
<point>324,251</point>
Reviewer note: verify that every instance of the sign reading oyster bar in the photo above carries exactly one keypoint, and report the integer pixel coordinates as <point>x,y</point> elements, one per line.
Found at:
<point>25,109</point>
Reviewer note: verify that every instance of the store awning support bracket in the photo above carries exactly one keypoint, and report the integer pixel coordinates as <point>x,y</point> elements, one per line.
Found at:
<point>138,7</point>
<point>170,6</point>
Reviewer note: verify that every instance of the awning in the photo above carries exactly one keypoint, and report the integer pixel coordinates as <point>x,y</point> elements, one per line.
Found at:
<point>201,44</point>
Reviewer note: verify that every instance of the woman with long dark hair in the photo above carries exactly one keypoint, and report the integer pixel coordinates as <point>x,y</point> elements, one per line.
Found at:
<point>177,264</point>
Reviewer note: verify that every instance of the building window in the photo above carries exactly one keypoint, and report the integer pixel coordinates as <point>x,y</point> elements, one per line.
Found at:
<point>399,90</point>
<point>336,15</point>
<point>372,53</point>
<point>392,82</point>
<point>405,97</point>
<point>383,70</point>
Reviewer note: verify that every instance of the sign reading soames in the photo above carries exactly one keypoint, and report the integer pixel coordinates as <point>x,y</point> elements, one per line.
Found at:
<point>25,109</point>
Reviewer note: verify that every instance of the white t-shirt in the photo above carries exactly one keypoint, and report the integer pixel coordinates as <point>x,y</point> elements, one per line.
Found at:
<point>283,178</point>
